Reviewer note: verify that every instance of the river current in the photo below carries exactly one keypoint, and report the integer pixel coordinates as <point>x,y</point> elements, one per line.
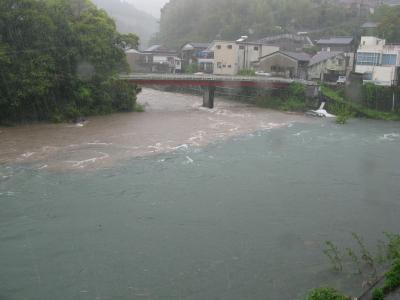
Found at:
<point>182,202</point>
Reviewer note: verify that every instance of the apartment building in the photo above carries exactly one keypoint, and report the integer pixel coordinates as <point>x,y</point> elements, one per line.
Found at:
<point>232,56</point>
<point>377,61</point>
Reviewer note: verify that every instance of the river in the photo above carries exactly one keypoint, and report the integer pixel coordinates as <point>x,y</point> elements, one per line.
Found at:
<point>182,202</point>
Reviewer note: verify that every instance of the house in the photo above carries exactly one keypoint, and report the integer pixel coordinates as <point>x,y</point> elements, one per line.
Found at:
<point>327,66</point>
<point>232,56</point>
<point>190,52</point>
<point>288,42</point>
<point>135,60</point>
<point>341,43</point>
<point>159,59</point>
<point>284,64</point>
<point>205,61</point>
<point>344,44</point>
<point>377,61</point>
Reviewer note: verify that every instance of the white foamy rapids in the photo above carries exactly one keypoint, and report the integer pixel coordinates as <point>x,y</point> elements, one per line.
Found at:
<point>390,137</point>
<point>83,163</point>
<point>180,147</point>
<point>270,125</point>
<point>28,154</point>
<point>197,138</point>
<point>189,160</point>
<point>7,194</point>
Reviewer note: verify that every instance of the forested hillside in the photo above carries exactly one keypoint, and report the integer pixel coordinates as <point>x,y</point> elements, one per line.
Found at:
<point>59,60</point>
<point>210,19</point>
<point>129,19</point>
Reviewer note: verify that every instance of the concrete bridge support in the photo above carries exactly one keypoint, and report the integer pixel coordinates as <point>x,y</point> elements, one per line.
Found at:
<point>208,96</point>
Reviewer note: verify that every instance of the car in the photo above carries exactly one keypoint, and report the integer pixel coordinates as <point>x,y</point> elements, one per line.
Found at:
<point>341,80</point>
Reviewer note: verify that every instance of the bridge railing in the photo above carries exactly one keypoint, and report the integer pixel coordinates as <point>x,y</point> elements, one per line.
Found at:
<point>207,77</point>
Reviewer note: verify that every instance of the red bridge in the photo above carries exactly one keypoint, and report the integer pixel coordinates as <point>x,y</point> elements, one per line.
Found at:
<point>210,82</point>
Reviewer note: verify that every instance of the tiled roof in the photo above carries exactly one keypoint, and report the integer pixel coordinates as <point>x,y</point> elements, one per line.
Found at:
<point>322,56</point>
<point>300,56</point>
<point>336,41</point>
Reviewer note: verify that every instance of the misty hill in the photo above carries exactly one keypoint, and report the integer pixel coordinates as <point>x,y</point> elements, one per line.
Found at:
<point>206,20</point>
<point>129,19</point>
<point>153,7</point>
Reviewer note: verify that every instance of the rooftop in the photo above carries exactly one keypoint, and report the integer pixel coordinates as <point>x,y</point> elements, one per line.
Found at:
<point>340,40</point>
<point>299,56</point>
<point>322,56</point>
<point>159,49</point>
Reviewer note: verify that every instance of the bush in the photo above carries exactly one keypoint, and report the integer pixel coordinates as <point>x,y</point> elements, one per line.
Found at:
<point>247,72</point>
<point>326,294</point>
<point>392,281</point>
<point>378,294</point>
<point>294,104</point>
<point>191,69</point>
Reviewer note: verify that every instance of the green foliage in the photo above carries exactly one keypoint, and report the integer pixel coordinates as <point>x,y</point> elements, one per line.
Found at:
<point>247,72</point>
<point>332,252</point>
<point>59,61</point>
<point>369,262</point>
<point>129,41</point>
<point>391,283</point>
<point>336,104</point>
<point>378,294</point>
<point>191,69</point>
<point>139,107</point>
<point>292,99</point>
<point>392,277</point>
<point>388,18</point>
<point>326,294</point>
<point>377,97</point>
<point>207,20</point>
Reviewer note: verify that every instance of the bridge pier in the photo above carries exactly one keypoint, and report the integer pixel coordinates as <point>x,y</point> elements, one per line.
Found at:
<point>208,96</point>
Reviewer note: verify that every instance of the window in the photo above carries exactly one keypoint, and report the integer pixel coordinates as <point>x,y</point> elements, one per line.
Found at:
<point>219,47</point>
<point>389,59</point>
<point>255,48</point>
<point>229,66</point>
<point>229,46</point>
<point>219,65</point>
<point>368,59</point>
<point>367,76</point>
<point>224,66</point>
<point>241,47</point>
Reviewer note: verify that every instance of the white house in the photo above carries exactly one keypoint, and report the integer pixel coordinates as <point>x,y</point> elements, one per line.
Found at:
<point>378,61</point>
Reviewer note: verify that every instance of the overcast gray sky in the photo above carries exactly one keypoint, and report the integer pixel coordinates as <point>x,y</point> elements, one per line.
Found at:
<point>151,6</point>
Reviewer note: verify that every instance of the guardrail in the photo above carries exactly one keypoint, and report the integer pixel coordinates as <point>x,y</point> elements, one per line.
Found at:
<point>210,78</point>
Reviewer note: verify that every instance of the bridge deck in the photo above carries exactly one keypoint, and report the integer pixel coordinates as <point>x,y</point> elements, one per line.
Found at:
<point>211,80</point>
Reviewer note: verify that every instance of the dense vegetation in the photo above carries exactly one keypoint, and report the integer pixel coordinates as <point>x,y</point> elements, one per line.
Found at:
<point>388,18</point>
<point>338,105</point>
<point>59,60</point>
<point>129,19</point>
<point>212,19</point>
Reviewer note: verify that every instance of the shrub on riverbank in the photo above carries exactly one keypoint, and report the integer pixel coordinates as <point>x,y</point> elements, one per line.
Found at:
<point>326,294</point>
<point>60,61</point>
<point>292,99</point>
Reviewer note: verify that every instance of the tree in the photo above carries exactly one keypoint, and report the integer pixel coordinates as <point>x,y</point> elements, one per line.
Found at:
<point>388,18</point>
<point>129,41</point>
<point>59,59</point>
